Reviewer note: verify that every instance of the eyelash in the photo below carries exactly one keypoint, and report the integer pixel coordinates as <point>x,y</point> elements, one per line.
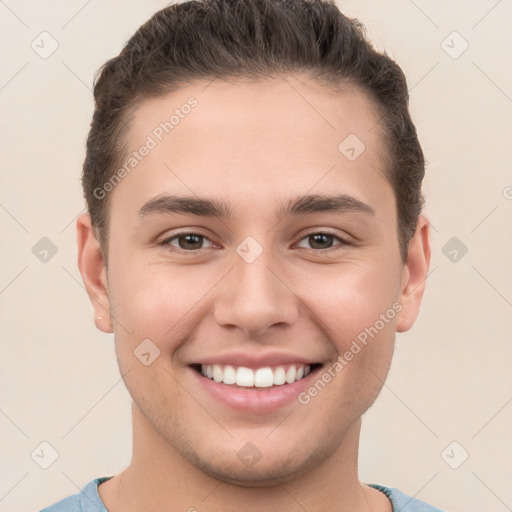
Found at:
<point>328,232</point>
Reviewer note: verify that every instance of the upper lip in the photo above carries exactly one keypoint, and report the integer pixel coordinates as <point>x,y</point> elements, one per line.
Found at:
<point>256,360</point>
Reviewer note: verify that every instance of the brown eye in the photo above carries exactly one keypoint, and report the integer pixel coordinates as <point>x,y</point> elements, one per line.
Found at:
<point>186,241</point>
<point>323,240</point>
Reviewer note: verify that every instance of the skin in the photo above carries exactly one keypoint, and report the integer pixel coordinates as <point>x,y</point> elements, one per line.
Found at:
<point>254,146</point>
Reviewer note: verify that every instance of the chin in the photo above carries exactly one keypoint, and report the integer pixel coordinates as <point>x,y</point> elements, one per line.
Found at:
<point>267,476</point>
<point>280,469</point>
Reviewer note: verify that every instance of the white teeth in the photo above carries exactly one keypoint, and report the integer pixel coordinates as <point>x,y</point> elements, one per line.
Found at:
<point>229,375</point>
<point>218,374</point>
<point>264,378</point>
<point>290,375</point>
<point>244,377</point>
<point>279,376</point>
<point>260,378</point>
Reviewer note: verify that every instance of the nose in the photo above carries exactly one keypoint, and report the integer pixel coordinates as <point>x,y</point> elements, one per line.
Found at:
<point>256,297</point>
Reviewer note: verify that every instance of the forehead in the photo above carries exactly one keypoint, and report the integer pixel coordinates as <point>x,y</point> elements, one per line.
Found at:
<point>267,137</point>
<point>308,112</point>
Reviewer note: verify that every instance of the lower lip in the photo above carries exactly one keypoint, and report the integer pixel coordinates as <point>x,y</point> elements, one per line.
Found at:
<point>254,400</point>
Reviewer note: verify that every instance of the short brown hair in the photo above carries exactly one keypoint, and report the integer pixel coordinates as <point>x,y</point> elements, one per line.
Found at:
<point>205,39</point>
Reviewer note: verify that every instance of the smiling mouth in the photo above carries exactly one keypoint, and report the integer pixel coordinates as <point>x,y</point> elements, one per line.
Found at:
<point>260,378</point>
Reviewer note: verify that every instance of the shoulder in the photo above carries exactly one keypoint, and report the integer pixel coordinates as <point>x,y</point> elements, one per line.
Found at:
<point>86,500</point>
<point>403,503</point>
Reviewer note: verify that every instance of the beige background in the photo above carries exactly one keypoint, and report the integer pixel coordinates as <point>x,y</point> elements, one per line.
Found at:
<point>450,379</point>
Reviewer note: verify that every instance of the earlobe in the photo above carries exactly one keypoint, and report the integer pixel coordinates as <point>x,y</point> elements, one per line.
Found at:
<point>414,275</point>
<point>93,270</point>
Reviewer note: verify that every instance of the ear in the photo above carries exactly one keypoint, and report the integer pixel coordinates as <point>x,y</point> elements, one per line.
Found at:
<point>414,275</point>
<point>93,270</point>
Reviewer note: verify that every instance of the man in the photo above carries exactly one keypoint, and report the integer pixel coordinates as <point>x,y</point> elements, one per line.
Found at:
<point>254,240</point>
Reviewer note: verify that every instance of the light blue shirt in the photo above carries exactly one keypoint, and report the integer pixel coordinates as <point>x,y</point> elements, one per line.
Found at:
<point>88,500</point>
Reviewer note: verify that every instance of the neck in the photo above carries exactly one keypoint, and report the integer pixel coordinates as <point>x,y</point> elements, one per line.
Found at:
<point>159,476</point>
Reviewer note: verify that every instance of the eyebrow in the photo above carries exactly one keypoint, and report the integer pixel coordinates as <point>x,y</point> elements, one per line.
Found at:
<point>303,205</point>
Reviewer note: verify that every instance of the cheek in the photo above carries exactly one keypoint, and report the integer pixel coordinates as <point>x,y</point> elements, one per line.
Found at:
<point>154,302</point>
<point>165,303</point>
<point>351,298</point>
<point>357,307</point>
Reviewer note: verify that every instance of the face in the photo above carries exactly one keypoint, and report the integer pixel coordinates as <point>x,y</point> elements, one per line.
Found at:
<point>251,272</point>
